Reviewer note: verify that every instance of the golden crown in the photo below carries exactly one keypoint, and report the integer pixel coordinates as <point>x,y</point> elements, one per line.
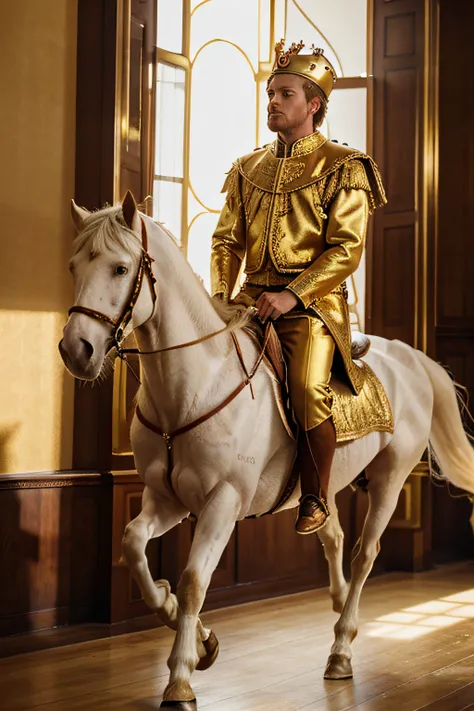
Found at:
<point>314,66</point>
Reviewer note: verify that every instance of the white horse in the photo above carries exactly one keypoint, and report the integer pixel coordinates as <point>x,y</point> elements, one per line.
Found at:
<point>235,463</point>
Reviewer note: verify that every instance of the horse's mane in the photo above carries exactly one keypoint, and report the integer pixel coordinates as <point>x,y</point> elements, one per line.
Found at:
<point>106,229</point>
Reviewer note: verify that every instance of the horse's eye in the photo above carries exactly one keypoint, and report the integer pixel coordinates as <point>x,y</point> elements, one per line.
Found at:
<point>121,270</point>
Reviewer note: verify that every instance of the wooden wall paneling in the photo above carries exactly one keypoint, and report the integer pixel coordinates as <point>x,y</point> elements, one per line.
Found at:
<point>138,99</point>
<point>50,533</point>
<point>454,255</point>
<point>398,64</point>
<point>126,600</point>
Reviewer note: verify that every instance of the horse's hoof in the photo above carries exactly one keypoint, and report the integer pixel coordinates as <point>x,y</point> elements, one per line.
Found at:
<point>211,645</point>
<point>338,667</point>
<point>180,705</point>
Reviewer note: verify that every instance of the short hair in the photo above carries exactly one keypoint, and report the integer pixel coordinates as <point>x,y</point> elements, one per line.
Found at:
<point>311,91</point>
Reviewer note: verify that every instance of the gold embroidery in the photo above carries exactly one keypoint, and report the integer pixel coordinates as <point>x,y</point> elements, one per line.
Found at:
<point>369,411</point>
<point>301,147</point>
<point>291,172</point>
<point>284,204</point>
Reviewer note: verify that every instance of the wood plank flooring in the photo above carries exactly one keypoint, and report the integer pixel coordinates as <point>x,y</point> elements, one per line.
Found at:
<point>415,650</point>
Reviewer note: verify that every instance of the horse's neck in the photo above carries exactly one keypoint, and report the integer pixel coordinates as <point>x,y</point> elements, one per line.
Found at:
<point>174,382</point>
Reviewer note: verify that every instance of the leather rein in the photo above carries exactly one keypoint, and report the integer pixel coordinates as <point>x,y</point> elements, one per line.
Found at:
<point>120,324</point>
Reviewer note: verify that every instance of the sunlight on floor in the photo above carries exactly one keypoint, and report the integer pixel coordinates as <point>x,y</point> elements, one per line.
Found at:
<point>412,622</point>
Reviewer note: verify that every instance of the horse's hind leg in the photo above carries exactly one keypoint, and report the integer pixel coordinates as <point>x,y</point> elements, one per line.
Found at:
<point>332,538</point>
<point>213,530</point>
<point>384,489</point>
<point>155,519</point>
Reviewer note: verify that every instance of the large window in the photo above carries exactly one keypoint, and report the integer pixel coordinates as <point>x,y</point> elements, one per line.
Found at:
<point>214,57</point>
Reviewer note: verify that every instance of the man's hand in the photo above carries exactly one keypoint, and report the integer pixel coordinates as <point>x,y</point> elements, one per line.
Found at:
<point>271,305</point>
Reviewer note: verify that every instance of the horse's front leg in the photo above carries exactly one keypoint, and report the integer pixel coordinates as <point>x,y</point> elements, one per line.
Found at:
<point>158,515</point>
<point>213,530</point>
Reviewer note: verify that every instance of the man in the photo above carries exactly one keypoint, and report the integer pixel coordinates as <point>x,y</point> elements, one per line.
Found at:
<point>297,211</point>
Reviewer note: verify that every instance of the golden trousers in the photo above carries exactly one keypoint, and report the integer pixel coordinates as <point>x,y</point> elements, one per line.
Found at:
<point>309,353</point>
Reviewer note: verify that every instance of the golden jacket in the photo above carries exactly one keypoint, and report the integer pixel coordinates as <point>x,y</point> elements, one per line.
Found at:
<point>299,221</point>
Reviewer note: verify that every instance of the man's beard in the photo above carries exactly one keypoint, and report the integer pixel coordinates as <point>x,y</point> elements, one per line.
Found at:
<point>285,126</point>
<point>277,125</point>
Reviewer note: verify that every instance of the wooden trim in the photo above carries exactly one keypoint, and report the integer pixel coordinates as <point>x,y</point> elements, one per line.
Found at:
<point>52,479</point>
<point>455,331</point>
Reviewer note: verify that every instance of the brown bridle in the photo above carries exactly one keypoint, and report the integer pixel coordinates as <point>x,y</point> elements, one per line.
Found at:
<point>120,324</point>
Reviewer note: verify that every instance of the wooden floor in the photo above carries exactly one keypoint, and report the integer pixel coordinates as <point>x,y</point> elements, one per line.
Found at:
<point>273,655</point>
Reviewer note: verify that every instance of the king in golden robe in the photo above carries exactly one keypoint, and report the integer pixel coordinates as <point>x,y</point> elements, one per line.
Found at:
<point>296,215</point>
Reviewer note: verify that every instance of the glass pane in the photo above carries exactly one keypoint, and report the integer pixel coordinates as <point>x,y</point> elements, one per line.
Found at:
<point>167,197</point>
<point>223,118</point>
<point>264,134</point>
<point>199,245</point>
<point>266,52</point>
<point>169,121</point>
<point>170,25</point>
<point>280,21</point>
<point>339,27</point>
<point>346,119</point>
<point>228,20</point>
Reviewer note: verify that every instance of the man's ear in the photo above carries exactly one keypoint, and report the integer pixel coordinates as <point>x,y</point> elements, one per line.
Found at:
<point>130,212</point>
<point>315,104</point>
<point>79,215</point>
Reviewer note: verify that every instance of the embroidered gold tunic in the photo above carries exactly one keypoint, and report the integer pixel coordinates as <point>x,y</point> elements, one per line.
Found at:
<point>299,218</point>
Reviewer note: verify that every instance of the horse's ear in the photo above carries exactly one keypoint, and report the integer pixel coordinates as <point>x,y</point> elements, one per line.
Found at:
<point>130,211</point>
<point>78,215</point>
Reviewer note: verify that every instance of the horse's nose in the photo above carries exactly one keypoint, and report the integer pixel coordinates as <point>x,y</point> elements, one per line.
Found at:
<point>61,348</point>
<point>81,353</point>
<point>88,348</point>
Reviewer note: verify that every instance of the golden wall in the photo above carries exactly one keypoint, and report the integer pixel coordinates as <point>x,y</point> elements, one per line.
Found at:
<point>37,146</point>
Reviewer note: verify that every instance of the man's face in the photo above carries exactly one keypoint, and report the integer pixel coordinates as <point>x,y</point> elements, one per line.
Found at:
<point>288,108</point>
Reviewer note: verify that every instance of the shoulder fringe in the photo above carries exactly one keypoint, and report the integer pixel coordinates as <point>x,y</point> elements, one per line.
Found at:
<point>231,187</point>
<point>358,173</point>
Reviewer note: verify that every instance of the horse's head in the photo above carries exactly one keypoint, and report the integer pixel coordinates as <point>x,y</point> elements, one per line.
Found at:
<point>109,264</point>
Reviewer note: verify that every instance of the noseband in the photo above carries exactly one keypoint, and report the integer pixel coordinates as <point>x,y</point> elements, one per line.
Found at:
<point>120,324</point>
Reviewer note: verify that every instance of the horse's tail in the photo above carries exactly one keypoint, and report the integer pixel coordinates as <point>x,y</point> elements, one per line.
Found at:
<point>452,447</point>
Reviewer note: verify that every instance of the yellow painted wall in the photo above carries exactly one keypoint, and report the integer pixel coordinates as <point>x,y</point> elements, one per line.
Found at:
<point>37,146</point>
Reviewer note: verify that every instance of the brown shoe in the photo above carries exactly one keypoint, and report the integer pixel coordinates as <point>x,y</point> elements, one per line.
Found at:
<point>312,515</point>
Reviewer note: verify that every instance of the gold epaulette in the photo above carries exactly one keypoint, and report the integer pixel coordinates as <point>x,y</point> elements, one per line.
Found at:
<point>358,173</point>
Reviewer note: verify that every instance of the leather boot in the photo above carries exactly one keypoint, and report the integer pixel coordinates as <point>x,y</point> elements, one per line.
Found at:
<point>316,452</point>
<point>313,513</point>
